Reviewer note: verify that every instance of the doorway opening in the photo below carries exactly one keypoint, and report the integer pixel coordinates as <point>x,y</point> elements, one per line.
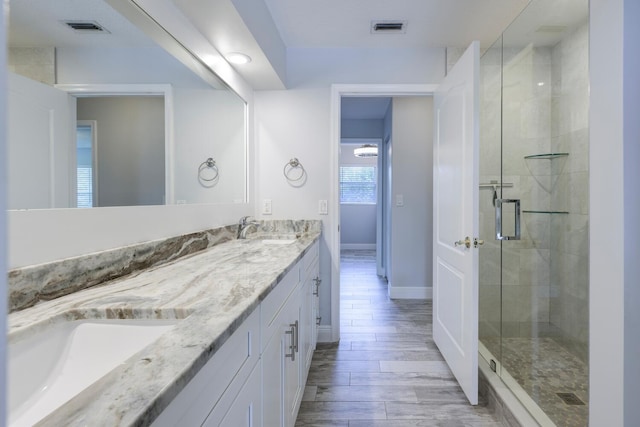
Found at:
<point>342,132</point>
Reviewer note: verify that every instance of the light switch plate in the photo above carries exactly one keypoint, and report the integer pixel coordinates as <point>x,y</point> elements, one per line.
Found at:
<point>266,207</point>
<point>323,207</point>
<point>399,200</point>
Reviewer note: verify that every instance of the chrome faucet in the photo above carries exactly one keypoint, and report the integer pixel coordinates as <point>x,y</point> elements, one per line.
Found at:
<point>244,224</point>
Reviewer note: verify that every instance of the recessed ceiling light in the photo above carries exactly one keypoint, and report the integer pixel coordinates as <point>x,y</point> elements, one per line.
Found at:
<point>238,58</point>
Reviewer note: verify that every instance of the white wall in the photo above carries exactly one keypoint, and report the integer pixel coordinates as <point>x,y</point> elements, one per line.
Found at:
<point>130,135</point>
<point>614,295</point>
<point>209,123</point>
<point>412,179</point>
<point>297,123</point>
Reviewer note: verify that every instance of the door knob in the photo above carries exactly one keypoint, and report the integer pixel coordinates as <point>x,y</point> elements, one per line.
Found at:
<point>466,242</point>
<point>477,242</point>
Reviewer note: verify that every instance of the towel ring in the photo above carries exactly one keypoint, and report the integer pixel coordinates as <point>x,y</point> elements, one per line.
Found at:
<point>208,164</point>
<point>290,166</point>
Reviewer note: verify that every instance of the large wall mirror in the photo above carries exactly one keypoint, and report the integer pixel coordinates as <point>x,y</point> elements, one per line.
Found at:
<point>101,115</point>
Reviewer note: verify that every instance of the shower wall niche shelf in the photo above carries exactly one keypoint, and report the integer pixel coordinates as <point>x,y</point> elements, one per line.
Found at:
<point>546,156</point>
<point>547,212</point>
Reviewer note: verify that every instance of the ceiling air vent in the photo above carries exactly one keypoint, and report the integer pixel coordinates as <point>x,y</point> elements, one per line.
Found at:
<point>388,27</point>
<point>86,26</point>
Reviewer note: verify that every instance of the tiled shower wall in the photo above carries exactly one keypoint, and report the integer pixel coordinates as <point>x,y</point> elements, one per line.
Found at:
<point>542,108</point>
<point>569,307</point>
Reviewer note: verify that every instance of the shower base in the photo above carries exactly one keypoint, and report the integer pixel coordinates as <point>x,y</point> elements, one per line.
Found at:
<point>546,370</point>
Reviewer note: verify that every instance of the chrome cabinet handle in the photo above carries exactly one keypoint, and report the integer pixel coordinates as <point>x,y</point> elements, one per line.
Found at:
<point>296,336</point>
<point>318,320</point>
<point>318,281</point>
<point>292,347</point>
<point>499,203</point>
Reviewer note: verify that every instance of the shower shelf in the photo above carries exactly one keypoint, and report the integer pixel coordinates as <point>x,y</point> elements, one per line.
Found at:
<point>547,212</point>
<point>546,156</point>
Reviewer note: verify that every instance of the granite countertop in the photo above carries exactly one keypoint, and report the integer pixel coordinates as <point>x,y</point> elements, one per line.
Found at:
<point>213,291</point>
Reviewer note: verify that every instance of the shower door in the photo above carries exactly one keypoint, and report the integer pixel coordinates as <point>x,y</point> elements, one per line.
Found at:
<point>534,148</point>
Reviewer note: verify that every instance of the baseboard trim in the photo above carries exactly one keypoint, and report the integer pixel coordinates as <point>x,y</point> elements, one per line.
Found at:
<point>358,246</point>
<point>324,333</point>
<point>410,292</point>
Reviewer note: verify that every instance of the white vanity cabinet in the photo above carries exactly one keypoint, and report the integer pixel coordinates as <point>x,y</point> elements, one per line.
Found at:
<point>288,344</point>
<point>310,287</point>
<point>209,395</point>
<point>280,357</point>
<point>257,377</point>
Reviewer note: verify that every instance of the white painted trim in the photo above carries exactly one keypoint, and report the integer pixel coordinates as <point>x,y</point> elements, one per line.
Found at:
<point>333,231</point>
<point>358,246</point>
<point>411,292</point>
<point>325,333</point>
<point>165,90</point>
<point>4,238</point>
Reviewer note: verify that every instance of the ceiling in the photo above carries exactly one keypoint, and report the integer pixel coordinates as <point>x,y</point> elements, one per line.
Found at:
<point>430,23</point>
<point>266,29</point>
<point>38,23</point>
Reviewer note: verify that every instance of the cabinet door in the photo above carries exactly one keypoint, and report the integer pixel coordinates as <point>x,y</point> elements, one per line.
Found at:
<point>246,410</point>
<point>292,368</point>
<point>307,324</point>
<point>273,361</point>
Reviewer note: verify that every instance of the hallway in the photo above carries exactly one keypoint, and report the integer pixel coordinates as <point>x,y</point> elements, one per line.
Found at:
<point>386,371</point>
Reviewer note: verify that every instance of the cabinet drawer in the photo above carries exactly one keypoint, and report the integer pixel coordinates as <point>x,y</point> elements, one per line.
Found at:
<point>233,362</point>
<point>274,302</point>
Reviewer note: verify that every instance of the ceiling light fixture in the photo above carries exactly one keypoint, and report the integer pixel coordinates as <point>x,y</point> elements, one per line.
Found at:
<point>367,150</point>
<point>238,58</point>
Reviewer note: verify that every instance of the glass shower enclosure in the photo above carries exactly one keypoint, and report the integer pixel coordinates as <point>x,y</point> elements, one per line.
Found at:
<point>534,146</point>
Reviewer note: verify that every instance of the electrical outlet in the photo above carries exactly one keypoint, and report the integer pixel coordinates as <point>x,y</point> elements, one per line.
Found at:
<point>266,207</point>
<point>323,207</point>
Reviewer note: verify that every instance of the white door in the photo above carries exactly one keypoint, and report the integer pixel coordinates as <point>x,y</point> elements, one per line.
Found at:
<point>455,272</point>
<point>41,138</point>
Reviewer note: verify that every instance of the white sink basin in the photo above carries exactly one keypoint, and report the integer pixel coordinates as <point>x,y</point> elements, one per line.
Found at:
<point>278,241</point>
<point>53,365</point>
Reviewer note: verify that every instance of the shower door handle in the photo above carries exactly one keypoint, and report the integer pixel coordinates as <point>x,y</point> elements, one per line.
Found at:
<point>500,216</point>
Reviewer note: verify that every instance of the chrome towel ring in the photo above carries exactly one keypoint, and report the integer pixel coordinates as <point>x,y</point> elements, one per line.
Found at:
<point>208,164</point>
<point>289,171</point>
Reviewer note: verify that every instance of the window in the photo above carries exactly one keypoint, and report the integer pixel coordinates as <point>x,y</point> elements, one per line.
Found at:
<point>85,185</point>
<point>358,184</point>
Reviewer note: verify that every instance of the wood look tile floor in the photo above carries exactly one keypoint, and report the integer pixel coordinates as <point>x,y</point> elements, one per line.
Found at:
<point>386,370</point>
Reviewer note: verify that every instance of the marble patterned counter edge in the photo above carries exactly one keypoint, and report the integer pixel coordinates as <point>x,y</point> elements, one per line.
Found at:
<point>44,282</point>
<point>218,288</point>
